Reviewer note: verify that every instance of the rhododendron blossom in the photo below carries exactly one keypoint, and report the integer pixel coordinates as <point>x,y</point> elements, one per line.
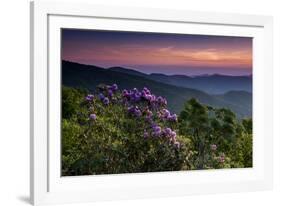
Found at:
<point>140,104</point>
<point>89,97</point>
<point>93,116</point>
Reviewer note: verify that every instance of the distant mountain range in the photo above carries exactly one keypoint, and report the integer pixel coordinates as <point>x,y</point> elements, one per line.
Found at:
<point>212,84</point>
<point>234,93</point>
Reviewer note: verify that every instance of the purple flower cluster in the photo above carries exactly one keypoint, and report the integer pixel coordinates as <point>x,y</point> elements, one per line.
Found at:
<point>107,93</point>
<point>104,96</point>
<point>144,103</point>
<point>110,90</point>
<point>110,93</point>
<point>105,101</point>
<point>165,114</point>
<point>135,111</point>
<point>101,96</point>
<point>172,135</point>
<point>173,118</point>
<point>113,87</point>
<point>156,131</point>
<point>148,103</point>
<point>166,133</point>
<point>134,96</point>
<point>161,101</point>
<point>141,104</point>
<point>89,97</point>
<point>93,116</point>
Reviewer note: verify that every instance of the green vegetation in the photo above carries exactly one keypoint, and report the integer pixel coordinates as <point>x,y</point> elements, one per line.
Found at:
<point>111,132</point>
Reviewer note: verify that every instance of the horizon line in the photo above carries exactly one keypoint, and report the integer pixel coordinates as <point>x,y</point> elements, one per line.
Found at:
<point>176,74</point>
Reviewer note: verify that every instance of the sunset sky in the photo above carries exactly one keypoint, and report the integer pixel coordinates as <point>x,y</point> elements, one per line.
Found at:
<point>159,52</point>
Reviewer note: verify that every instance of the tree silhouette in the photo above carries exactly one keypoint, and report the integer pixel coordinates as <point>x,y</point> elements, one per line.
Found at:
<point>194,121</point>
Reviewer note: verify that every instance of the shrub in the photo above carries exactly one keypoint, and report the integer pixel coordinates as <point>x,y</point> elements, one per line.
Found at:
<point>119,132</point>
<point>111,131</point>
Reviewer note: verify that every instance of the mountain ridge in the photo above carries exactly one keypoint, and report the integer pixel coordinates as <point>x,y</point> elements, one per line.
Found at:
<point>89,76</point>
<point>212,84</point>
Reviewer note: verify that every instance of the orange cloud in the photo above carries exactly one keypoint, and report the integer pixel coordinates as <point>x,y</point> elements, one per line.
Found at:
<point>174,56</point>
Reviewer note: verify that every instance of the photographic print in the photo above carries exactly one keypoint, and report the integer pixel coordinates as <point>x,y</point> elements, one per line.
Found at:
<point>137,102</point>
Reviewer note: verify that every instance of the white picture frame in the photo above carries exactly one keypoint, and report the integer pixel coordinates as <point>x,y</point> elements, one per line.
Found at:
<point>47,186</point>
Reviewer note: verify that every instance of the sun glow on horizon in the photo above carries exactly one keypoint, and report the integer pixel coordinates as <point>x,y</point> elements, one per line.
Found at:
<point>158,51</point>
